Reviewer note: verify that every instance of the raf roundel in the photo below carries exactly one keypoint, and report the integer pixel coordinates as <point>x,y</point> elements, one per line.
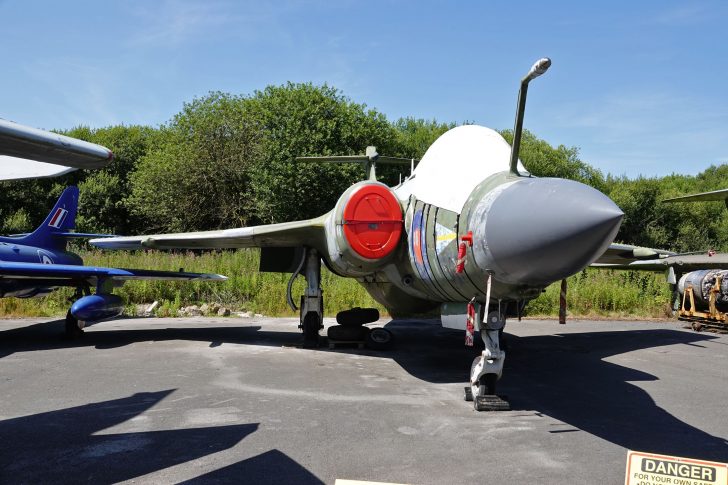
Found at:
<point>372,221</point>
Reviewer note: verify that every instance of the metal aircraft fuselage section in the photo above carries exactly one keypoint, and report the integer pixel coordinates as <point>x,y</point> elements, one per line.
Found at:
<point>424,275</point>
<point>521,232</point>
<point>18,253</point>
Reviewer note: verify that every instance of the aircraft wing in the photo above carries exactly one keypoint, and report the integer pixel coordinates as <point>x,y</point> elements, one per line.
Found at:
<point>721,194</point>
<point>72,274</point>
<point>27,152</point>
<point>624,256</point>
<point>13,168</point>
<point>310,232</point>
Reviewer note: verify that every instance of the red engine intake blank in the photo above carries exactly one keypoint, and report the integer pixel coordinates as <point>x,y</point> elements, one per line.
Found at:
<point>372,221</point>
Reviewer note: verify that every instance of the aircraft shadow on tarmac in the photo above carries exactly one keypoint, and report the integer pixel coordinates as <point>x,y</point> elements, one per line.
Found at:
<point>61,446</point>
<point>566,377</point>
<point>563,376</point>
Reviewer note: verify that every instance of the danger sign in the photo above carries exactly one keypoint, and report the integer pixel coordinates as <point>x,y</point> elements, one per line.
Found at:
<point>651,469</point>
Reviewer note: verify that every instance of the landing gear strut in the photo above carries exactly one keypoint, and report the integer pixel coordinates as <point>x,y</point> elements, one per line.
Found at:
<point>488,367</point>
<point>74,328</point>
<point>312,301</point>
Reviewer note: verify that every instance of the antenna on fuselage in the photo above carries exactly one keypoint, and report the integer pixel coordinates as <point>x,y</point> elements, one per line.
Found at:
<point>540,67</point>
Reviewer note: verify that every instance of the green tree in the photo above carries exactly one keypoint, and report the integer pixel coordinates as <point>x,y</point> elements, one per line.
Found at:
<point>103,204</point>
<point>414,136</point>
<point>199,176</point>
<point>543,160</point>
<point>308,120</point>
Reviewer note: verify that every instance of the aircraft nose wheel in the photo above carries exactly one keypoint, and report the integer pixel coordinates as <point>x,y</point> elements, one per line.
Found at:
<point>74,328</point>
<point>484,374</point>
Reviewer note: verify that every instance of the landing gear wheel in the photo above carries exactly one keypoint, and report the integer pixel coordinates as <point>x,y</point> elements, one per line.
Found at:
<point>468,395</point>
<point>486,400</point>
<point>74,329</point>
<point>487,384</point>
<point>379,339</point>
<point>311,326</point>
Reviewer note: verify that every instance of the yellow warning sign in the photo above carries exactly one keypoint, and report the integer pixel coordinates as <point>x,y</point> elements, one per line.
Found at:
<point>651,469</point>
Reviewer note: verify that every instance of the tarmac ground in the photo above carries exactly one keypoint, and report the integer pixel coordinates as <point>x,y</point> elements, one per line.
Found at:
<point>233,400</point>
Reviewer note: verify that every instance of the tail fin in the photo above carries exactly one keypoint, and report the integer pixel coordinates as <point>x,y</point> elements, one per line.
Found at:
<point>59,220</point>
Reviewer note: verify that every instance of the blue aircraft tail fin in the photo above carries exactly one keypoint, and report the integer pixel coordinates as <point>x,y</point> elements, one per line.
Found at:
<point>59,220</point>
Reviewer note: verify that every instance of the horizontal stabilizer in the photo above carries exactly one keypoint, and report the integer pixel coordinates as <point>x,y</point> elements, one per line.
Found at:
<point>359,159</point>
<point>88,235</point>
<point>370,160</point>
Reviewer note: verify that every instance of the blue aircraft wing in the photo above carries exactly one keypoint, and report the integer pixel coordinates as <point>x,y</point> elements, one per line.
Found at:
<point>75,273</point>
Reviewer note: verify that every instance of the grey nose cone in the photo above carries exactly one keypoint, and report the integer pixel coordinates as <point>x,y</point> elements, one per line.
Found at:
<point>540,230</point>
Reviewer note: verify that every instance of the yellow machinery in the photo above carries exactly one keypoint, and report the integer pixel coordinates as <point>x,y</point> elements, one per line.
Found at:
<point>713,318</point>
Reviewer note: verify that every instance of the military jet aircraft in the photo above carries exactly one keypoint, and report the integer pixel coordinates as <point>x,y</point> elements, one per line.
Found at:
<point>470,225</point>
<point>27,152</point>
<point>35,264</point>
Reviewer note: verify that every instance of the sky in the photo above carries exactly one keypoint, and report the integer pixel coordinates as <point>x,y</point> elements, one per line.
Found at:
<point>639,87</point>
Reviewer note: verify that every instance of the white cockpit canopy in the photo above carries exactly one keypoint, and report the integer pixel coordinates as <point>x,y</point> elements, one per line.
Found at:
<point>455,164</point>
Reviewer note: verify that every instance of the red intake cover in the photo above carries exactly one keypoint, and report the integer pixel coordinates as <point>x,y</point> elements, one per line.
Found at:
<point>372,221</point>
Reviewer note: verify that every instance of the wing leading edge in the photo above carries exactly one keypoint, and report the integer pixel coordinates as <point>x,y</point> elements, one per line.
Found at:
<point>27,152</point>
<point>68,272</point>
<point>310,232</point>
<point>624,256</point>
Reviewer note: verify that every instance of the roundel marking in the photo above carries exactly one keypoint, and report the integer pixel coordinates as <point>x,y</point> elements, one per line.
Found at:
<point>372,221</point>
<point>44,257</point>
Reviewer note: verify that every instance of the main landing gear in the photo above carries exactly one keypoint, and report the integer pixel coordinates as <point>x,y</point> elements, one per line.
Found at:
<point>312,301</point>
<point>73,327</point>
<point>488,367</point>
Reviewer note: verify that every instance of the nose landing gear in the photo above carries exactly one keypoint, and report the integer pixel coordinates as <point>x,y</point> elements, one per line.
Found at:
<point>488,367</point>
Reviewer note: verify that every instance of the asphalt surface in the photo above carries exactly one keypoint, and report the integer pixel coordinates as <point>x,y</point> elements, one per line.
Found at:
<point>233,400</point>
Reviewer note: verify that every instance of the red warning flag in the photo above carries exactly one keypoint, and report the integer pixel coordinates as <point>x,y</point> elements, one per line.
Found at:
<point>470,325</point>
<point>460,265</point>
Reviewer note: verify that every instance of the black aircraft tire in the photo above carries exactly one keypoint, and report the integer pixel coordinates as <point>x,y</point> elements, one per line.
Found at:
<point>311,326</point>
<point>487,383</point>
<point>357,317</point>
<point>380,339</point>
<point>347,334</point>
<point>72,329</point>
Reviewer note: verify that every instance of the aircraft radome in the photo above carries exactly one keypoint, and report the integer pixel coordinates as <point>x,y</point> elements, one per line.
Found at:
<point>469,225</point>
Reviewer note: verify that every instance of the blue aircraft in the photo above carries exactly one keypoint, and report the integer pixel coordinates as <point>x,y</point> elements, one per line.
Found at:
<point>35,264</point>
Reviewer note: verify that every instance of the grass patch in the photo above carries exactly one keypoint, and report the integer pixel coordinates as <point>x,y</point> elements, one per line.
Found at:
<point>607,293</point>
<point>604,293</point>
<point>245,290</point>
